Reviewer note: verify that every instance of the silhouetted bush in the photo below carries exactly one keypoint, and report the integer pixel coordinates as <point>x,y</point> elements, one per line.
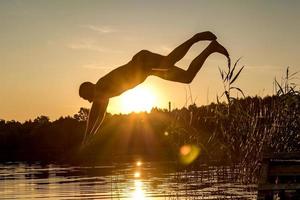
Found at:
<point>254,125</point>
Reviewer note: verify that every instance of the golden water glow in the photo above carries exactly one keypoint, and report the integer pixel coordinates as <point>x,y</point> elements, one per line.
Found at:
<point>137,100</point>
<point>138,163</point>
<point>137,174</point>
<point>138,193</point>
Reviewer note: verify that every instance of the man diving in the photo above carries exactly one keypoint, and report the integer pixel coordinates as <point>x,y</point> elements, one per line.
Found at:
<point>142,65</point>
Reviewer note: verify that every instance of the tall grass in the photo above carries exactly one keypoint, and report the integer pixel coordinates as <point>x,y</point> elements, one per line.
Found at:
<point>242,130</point>
<point>229,76</point>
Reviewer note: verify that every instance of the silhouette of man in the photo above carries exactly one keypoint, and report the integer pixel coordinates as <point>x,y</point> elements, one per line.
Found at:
<point>142,65</point>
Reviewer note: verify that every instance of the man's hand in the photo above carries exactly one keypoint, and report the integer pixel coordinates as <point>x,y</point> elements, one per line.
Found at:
<point>96,117</point>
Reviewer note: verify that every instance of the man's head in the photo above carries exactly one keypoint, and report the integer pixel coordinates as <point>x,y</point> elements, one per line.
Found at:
<point>86,91</point>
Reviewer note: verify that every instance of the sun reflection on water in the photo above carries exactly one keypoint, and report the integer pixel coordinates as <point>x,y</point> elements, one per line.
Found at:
<point>138,163</point>
<point>137,175</point>
<point>138,193</point>
<point>58,182</point>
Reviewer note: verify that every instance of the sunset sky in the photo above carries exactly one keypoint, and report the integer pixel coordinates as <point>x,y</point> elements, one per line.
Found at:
<point>48,48</point>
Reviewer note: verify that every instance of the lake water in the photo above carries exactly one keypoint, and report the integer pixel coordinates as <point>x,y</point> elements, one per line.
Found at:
<point>121,181</point>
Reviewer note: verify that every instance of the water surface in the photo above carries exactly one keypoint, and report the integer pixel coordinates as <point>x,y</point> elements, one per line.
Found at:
<point>121,181</point>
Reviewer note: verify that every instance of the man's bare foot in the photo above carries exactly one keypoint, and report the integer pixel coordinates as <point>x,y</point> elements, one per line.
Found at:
<point>217,47</point>
<point>207,35</point>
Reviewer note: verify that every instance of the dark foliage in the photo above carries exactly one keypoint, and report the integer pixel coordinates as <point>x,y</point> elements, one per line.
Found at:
<point>253,126</point>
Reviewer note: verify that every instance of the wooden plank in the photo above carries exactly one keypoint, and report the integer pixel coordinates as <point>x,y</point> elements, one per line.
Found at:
<point>264,173</point>
<point>295,186</point>
<point>293,155</point>
<point>284,170</point>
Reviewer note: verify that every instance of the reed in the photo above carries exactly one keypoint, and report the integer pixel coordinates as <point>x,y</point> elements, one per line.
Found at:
<point>240,131</point>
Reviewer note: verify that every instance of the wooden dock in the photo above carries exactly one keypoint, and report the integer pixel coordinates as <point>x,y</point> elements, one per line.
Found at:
<point>280,177</point>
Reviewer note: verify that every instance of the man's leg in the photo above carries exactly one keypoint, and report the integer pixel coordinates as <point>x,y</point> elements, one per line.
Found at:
<point>179,52</point>
<point>186,76</point>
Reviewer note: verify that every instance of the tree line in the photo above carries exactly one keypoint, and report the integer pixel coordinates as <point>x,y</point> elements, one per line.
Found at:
<point>239,132</point>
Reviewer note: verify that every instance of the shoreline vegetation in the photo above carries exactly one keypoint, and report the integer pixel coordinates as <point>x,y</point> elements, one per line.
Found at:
<point>253,126</point>
<point>236,132</point>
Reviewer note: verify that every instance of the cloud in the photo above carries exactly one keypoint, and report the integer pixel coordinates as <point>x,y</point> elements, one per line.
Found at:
<point>96,66</point>
<point>165,49</point>
<point>273,68</point>
<point>100,29</point>
<point>86,45</point>
<point>91,45</point>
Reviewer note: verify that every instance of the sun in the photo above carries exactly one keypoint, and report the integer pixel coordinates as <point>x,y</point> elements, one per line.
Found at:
<point>139,99</point>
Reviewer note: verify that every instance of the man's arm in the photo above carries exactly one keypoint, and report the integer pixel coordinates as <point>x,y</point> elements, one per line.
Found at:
<point>95,119</point>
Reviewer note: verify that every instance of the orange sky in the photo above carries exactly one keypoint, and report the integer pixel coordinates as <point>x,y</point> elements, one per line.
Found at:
<point>49,47</point>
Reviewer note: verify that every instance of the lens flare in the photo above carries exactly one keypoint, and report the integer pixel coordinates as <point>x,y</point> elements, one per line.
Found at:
<point>188,153</point>
<point>185,150</point>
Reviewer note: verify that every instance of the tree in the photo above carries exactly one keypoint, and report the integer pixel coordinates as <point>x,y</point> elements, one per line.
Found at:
<point>82,114</point>
<point>42,120</point>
